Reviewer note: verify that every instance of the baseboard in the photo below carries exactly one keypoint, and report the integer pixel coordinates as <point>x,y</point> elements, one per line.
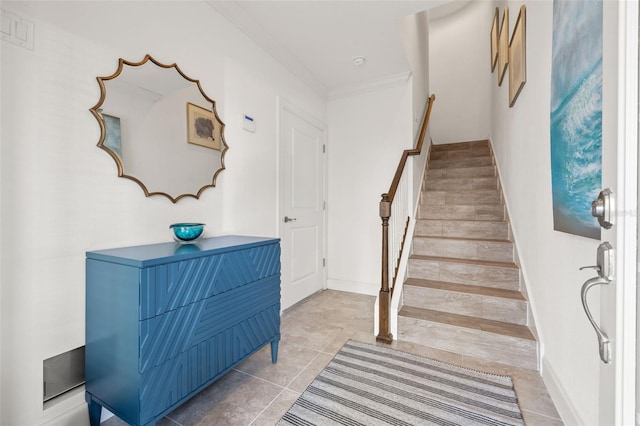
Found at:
<point>370,289</point>
<point>568,413</point>
<point>72,411</point>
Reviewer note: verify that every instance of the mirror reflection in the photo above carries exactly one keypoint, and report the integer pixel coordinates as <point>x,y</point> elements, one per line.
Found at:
<point>161,129</point>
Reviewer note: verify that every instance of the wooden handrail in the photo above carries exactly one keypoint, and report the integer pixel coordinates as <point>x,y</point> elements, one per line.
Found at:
<point>384,333</point>
<point>407,152</point>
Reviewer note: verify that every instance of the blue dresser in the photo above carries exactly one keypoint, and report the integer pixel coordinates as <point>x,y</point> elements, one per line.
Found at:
<point>163,321</point>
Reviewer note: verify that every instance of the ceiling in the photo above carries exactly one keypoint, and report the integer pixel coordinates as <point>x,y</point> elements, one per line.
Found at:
<point>317,40</point>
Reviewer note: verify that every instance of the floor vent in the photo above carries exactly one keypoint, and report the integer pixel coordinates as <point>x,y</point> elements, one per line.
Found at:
<point>63,373</point>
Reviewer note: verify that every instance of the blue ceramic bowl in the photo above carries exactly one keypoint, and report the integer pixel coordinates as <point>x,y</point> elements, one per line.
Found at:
<point>187,231</point>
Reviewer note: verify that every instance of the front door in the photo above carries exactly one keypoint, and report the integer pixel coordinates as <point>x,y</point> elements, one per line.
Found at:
<point>302,218</point>
<point>619,172</point>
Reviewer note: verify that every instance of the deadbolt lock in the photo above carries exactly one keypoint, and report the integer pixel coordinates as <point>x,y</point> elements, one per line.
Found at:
<point>603,208</point>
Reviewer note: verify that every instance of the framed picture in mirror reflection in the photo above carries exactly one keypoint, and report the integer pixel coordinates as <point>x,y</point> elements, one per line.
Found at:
<point>113,134</point>
<point>203,128</point>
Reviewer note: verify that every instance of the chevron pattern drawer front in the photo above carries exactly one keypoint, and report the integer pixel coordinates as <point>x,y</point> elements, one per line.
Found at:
<point>167,287</point>
<point>164,337</point>
<point>193,369</point>
<point>164,323</point>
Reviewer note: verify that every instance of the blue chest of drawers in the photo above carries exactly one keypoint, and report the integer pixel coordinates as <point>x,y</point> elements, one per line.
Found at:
<point>163,321</point>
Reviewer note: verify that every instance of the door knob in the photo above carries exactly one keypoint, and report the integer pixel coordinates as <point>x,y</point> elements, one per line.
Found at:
<point>288,219</point>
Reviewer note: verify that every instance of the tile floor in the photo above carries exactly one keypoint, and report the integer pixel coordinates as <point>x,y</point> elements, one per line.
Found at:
<point>258,392</point>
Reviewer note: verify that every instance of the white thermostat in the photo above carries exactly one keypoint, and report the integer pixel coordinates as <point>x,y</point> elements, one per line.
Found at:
<point>248,123</point>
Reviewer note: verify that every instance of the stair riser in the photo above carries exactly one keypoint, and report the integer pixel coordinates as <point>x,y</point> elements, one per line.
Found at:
<point>497,251</point>
<point>460,153</point>
<point>468,198</point>
<point>462,229</point>
<point>465,172</point>
<point>476,343</point>
<point>461,162</point>
<point>488,212</point>
<point>464,273</point>
<point>494,308</point>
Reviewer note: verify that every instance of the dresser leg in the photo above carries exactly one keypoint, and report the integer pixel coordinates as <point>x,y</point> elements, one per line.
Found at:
<point>95,410</point>
<point>274,351</point>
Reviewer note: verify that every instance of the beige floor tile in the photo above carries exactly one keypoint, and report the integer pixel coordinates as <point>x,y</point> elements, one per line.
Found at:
<point>306,376</point>
<point>292,360</point>
<point>272,414</point>
<point>532,393</point>
<point>236,399</point>
<point>532,419</point>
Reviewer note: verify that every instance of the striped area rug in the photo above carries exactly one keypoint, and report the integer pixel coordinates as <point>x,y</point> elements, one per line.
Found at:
<point>373,385</point>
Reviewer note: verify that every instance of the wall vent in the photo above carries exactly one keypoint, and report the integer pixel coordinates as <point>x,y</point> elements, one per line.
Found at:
<point>63,373</point>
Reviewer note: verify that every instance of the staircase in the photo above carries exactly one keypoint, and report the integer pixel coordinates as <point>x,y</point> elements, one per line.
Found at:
<point>464,292</point>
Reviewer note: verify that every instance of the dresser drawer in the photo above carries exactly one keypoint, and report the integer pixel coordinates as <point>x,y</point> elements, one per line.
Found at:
<point>166,336</point>
<point>170,286</point>
<point>166,384</point>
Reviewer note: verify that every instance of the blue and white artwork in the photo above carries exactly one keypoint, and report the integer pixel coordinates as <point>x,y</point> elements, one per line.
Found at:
<point>112,137</point>
<point>576,115</point>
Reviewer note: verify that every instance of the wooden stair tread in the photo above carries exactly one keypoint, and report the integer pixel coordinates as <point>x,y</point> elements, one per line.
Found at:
<point>489,240</point>
<point>459,146</point>
<point>460,163</point>
<point>467,261</point>
<point>491,191</point>
<point>465,288</point>
<point>486,325</point>
<point>504,222</point>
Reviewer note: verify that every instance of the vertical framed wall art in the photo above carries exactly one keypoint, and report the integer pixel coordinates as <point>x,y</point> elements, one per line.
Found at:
<point>503,46</point>
<point>494,39</point>
<point>518,57</point>
<point>576,115</point>
<point>113,134</point>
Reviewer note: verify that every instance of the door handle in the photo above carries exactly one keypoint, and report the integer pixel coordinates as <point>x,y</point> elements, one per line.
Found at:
<point>604,268</point>
<point>603,340</point>
<point>288,219</point>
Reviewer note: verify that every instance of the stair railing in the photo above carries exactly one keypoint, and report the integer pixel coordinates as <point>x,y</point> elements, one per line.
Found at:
<point>396,209</point>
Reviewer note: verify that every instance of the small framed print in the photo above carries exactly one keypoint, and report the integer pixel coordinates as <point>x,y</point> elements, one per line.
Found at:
<point>494,39</point>
<point>203,127</point>
<point>517,58</point>
<point>503,46</point>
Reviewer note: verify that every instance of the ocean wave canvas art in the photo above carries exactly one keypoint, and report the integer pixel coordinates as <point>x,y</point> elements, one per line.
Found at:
<point>576,115</point>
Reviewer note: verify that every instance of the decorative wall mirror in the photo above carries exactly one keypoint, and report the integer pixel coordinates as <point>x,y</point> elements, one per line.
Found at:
<point>161,129</point>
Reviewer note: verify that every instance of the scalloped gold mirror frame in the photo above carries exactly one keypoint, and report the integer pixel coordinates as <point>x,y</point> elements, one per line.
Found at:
<point>222,146</point>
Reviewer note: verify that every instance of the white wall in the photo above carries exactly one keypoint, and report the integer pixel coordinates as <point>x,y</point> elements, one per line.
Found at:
<point>414,30</point>
<point>367,134</point>
<point>460,74</point>
<point>60,193</point>
<point>550,259</point>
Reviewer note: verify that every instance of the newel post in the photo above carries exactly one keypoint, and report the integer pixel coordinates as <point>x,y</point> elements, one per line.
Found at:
<point>384,333</point>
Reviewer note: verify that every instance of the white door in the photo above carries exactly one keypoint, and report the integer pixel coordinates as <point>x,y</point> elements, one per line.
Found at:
<point>618,299</point>
<point>302,195</point>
